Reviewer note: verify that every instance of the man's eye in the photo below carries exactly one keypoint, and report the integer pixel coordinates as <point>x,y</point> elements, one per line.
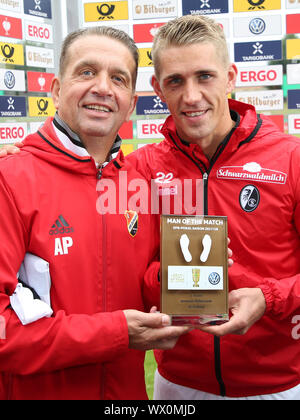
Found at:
<point>205,76</point>
<point>174,82</point>
<point>118,79</point>
<point>87,73</point>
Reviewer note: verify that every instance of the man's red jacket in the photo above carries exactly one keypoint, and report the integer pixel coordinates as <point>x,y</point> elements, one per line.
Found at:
<point>81,352</point>
<point>254,180</point>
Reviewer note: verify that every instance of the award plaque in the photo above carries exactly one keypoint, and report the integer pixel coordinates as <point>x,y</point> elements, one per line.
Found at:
<point>194,269</point>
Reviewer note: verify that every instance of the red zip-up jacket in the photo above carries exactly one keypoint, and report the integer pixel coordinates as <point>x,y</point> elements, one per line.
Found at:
<point>81,352</point>
<point>254,180</point>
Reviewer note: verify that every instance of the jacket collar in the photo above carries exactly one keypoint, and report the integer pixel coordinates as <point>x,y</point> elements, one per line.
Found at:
<point>73,143</point>
<point>47,144</point>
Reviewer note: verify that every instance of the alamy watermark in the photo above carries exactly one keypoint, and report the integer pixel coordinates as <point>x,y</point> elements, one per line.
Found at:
<point>296,329</point>
<point>2,328</point>
<point>159,196</point>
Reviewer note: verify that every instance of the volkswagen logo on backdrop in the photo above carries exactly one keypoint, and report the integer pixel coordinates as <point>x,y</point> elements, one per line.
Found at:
<point>257,26</point>
<point>9,80</point>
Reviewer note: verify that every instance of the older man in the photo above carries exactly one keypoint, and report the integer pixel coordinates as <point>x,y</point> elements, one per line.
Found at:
<point>92,347</point>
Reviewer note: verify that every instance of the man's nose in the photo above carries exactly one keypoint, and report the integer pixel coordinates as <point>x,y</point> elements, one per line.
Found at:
<point>102,85</point>
<point>192,93</point>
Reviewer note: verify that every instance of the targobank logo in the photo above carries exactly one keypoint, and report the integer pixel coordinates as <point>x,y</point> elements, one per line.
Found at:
<point>258,51</point>
<point>151,105</point>
<point>203,7</point>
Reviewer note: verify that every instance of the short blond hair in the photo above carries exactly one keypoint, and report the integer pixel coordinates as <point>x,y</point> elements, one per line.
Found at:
<point>187,30</point>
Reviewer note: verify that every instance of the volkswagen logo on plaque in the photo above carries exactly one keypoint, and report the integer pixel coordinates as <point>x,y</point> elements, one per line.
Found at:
<point>214,278</point>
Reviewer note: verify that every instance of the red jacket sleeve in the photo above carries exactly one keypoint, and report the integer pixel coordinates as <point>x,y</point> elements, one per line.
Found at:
<point>282,295</point>
<point>50,343</point>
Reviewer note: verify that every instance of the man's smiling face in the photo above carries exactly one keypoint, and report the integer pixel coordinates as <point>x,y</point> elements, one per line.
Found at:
<point>95,94</point>
<point>194,82</point>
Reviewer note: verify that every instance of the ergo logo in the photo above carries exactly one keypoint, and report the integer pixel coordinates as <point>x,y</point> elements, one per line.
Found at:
<point>258,76</point>
<point>38,32</point>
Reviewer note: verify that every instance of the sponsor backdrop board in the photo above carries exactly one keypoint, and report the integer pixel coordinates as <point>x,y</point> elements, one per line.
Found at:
<point>263,39</point>
<point>28,45</point>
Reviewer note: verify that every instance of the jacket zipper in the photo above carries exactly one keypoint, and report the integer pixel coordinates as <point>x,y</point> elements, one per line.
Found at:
<point>104,278</point>
<point>205,175</point>
<point>217,341</point>
<point>104,234</point>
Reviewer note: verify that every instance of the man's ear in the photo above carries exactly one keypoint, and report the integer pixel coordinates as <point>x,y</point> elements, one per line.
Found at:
<point>55,91</point>
<point>232,76</point>
<point>157,88</point>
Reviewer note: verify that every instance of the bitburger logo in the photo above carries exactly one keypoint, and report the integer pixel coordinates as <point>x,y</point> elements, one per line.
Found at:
<point>132,222</point>
<point>106,10</point>
<point>256,4</point>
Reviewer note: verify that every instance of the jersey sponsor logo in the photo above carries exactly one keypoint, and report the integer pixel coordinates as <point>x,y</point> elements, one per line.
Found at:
<point>249,198</point>
<point>252,171</point>
<point>106,11</point>
<point>60,227</point>
<point>132,219</point>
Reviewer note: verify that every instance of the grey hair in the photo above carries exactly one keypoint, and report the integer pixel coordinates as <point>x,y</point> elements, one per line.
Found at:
<point>106,31</point>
